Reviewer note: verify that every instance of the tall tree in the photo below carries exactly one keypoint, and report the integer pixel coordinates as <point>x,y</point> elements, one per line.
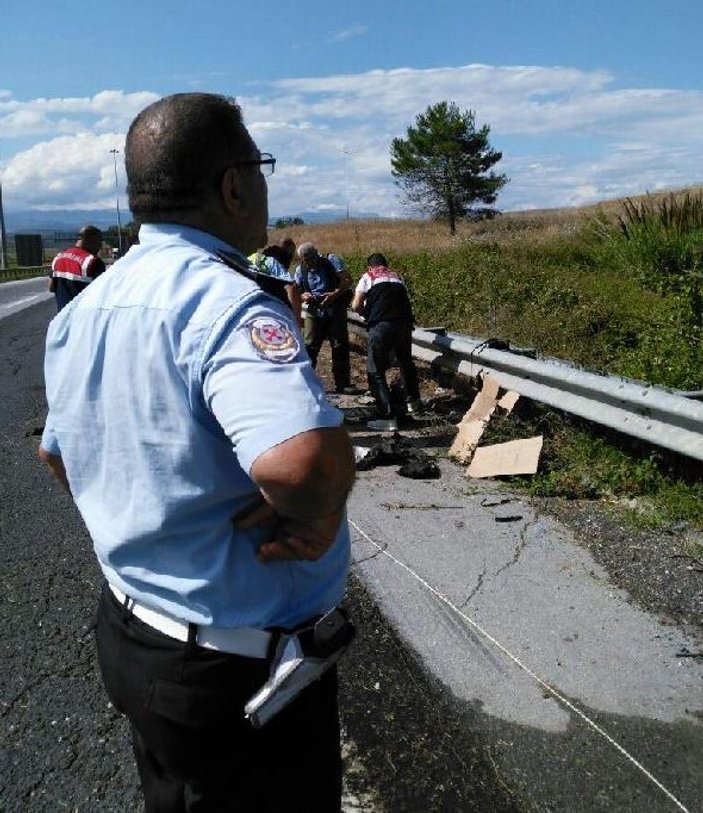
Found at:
<point>443,165</point>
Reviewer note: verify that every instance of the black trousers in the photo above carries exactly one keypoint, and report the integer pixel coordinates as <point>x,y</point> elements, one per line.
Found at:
<point>385,338</point>
<point>332,327</point>
<point>195,751</point>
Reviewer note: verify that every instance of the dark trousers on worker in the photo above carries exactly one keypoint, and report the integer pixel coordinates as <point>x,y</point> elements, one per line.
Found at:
<point>195,751</point>
<point>332,327</point>
<point>384,339</point>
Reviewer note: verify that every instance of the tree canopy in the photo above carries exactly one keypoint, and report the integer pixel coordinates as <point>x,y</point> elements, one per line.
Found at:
<point>443,166</point>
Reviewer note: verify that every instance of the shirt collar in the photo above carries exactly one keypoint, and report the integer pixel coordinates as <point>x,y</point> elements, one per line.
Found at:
<point>153,233</point>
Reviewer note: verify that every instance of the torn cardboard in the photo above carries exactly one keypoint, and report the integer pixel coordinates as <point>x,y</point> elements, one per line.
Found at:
<point>508,400</point>
<point>476,419</point>
<point>513,457</point>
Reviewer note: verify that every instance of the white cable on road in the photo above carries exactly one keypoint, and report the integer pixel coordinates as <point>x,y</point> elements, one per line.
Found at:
<point>546,686</point>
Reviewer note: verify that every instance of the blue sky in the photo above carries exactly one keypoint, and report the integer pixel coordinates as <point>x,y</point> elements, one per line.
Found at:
<point>587,99</point>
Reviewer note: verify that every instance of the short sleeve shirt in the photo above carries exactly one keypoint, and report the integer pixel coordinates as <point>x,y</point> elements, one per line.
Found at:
<point>166,379</point>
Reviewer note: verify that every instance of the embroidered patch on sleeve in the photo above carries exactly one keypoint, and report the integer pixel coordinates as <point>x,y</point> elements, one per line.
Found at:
<point>272,340</point>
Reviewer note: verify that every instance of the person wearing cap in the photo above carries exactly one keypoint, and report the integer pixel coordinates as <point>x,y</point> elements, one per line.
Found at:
<point>271,261</point>
<point>187,423</point>
<point>383,299</point>
<point>324,292</point>
<point>75,268</point>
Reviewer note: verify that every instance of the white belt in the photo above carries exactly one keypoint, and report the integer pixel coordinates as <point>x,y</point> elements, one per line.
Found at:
<point>246,641</point>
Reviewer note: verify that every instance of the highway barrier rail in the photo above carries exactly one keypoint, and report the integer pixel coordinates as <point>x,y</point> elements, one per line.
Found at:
<point>658,416</point>
<point>24,272</point>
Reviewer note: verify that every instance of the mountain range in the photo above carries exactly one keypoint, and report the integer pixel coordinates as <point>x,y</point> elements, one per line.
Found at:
<point>43,222</point>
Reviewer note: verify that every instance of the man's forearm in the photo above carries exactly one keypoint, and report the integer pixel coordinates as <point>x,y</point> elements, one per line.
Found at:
<point>309,476</point>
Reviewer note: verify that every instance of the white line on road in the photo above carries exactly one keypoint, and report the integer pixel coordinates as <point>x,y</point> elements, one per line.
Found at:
<point>546,686</point>
<point>19,301</point>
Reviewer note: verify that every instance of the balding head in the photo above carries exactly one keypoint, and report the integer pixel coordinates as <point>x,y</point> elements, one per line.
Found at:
<point>178,149</point>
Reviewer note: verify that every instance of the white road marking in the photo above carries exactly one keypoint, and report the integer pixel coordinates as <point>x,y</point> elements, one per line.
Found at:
<point>20,301</point>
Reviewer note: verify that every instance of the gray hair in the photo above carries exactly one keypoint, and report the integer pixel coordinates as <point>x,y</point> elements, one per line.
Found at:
<point>306,250</point>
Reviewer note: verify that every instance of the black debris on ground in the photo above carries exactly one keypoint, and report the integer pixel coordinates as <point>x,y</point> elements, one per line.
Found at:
<point>397,450</point>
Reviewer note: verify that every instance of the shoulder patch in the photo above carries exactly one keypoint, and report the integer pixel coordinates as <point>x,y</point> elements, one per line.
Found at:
<point>272,339</point>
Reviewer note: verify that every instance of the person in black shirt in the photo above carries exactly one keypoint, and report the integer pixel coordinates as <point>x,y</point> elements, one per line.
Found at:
<point>382,298</point>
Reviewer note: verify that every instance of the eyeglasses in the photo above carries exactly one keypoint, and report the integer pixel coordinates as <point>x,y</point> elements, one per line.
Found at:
<point>266,163</point>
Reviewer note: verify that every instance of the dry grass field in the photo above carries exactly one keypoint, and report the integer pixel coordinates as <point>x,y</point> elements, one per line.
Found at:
<point>359,238</point>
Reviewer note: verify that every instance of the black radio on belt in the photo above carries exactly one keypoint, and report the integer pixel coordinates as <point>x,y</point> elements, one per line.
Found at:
<point>332,632</point>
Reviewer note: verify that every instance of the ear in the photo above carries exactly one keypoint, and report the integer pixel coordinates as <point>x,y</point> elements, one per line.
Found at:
<point>233,193</point>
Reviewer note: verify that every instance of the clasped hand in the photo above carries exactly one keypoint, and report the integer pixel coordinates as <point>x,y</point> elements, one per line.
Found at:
<point>291,539</point>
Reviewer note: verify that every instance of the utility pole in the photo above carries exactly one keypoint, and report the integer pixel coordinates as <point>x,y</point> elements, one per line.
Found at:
<point>347,153</point>
<point>115,153</point>
<point>3,236</point>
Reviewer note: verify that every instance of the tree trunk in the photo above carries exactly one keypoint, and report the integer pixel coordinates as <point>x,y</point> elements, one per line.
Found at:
<point>452,217</point>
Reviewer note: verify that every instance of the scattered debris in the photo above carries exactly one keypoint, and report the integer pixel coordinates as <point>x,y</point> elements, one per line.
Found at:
<point>685,652</point>
<point>488,503</point>
<point>508,400</point>
<point>475,421</point>
<point>414,462</point>
<point>513,457</point>
<point>508,518</point>
<point>360,452</point>
<point>420,468</point>
<point>417,506</point>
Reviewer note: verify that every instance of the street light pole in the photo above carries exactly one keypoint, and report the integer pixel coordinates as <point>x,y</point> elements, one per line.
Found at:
<point>3,236</point>
<point>115,153</point>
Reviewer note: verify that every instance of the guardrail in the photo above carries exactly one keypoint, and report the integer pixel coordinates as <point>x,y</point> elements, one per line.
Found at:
<point>24,272</point>
<point>653,414</point>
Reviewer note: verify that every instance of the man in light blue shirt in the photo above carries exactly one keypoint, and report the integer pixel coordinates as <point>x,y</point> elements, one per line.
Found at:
<point>324,291</point>
<point>211,472</point>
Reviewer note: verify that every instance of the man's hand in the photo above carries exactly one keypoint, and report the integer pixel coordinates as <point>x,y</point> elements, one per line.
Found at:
<point>291,539</point>
<point>55,464</point>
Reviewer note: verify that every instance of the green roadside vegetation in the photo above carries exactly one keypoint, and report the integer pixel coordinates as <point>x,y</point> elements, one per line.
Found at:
<point>618,291</point>
<point>620,295</point>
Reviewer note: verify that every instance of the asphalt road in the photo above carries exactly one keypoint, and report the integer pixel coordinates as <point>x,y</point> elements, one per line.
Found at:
<point>21,294</point>
<point>497,668</point>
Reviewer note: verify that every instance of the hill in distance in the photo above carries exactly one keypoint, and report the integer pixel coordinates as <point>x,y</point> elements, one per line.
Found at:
<point>46,223</point>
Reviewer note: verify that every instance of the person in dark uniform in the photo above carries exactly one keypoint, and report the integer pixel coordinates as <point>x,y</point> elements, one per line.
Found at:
<point>75,268</point>
<point>383,299</point>
<point>324,292</point>
<point>211,471</point>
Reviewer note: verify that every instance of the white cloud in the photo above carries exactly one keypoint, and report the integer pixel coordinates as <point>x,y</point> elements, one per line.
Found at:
<point>64,170</point>
<point>353,31</point>
<point>104,111</point>
<point>568,136</point>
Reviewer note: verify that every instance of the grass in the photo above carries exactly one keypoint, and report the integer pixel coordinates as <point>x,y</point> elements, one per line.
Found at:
<point>561,281</point>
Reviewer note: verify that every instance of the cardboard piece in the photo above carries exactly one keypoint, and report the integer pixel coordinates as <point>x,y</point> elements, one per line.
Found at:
<point>484,403</point>
<point>508,400</point>
<point>513,457</point>
<point>475,420</point>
